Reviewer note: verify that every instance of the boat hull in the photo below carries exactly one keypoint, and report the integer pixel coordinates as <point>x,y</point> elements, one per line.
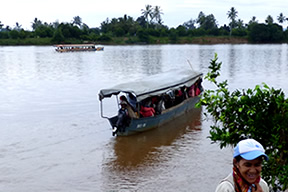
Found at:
<point>144,124</point>
<point>77,47</point>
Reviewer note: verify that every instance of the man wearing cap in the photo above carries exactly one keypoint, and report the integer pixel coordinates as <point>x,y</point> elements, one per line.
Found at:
<point>247,166</point>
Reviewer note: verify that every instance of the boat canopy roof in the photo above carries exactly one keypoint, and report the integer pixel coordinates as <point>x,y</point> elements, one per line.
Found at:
<point>75,45</point>
<point>154,84</point>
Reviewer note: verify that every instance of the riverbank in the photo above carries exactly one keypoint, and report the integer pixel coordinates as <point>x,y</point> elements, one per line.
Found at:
<point>133,41</point>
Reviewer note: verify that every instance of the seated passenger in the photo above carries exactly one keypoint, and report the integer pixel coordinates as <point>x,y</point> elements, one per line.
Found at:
<point>147,111</point>
<point>169,99</point>
<point>191,91</point>
<point>185,92</point>
<point>197,89</point>
<point>179,97</point>
<point>158,104</point>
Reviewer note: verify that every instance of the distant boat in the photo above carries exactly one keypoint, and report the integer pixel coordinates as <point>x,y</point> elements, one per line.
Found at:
<point>77,47</point>
<point>161,86</point>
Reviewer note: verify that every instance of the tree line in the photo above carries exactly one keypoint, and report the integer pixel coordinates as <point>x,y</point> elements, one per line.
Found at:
<point>148,28</point>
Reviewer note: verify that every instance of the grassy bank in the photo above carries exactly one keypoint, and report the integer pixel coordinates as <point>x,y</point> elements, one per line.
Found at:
<point>134,40</point>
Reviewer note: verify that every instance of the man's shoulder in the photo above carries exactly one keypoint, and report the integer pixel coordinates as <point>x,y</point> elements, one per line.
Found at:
<point>264,185</point>
<point>226,184</point>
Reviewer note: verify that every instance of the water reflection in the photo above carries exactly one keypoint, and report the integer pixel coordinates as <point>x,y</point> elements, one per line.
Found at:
<point>133,61</point>
<point>139,153</point>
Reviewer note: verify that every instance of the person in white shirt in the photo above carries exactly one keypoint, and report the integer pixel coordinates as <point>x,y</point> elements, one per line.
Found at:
<point>247,167</point>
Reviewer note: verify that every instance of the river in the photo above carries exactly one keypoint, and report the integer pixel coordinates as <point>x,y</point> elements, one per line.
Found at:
<point>53,138</point>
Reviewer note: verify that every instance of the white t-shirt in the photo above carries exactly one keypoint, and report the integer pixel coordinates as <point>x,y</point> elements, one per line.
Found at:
<point>227,185</point>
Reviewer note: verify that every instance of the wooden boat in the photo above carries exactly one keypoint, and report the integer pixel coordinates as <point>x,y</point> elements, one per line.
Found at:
<point>77,47</point>
<point>161,86</point>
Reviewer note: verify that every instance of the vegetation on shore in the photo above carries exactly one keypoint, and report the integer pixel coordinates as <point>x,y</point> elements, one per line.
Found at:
<point>148,29</point>
<point>260,113</point>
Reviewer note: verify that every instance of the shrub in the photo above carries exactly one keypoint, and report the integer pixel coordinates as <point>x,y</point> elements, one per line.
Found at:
<point>260,113</point>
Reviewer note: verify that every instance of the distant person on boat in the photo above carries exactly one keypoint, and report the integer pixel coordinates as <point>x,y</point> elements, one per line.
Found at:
<point>195,89</point>
<point>247,167</point>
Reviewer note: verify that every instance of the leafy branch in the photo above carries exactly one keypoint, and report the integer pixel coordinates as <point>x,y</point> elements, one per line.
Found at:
<point>260,113</point>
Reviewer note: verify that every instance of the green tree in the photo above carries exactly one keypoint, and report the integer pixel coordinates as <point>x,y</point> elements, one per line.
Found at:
<point>36,23</point>
<point>70,31</point>
<point>14,34</point>
<point>269,20</point>
<point>181,31</point>
<point>147,12</point>
<point>157,15</point>
<point>143,35</point>
<point>1,25</point>
<point>206,22</point>
<point>17,27</point>
<point>58,36</point>
<point>260,113</point>
<point>105,26</point>
<point>77,21</point>
<point>190,24</point>
<point>44,31</point>
<point>281,18</point>
<point>232,15</point>
<point>253,20</point>
<point>141,21</point>
<point>262,33</point>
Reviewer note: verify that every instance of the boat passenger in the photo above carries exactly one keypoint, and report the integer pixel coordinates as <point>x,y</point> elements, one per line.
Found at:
<point>123,118</point>
<point>197,89</point>
<point>179,97</point>
<point>147,111</point>
<point>131,111</point>
<point>194,90</point>
<point>131,99</point>
<point>169,98</point>
<point>200,84</point>
<point>184,91</point>
<point>158,104</point>
<point>191,91</point>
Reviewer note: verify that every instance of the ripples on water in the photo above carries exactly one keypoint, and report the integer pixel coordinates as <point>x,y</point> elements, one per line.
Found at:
<point>53,139</point>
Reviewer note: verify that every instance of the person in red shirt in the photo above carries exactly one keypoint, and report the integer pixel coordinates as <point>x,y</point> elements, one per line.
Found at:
<point>147,111</point>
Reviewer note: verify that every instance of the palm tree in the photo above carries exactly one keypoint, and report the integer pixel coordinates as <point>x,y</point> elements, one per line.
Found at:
<point>18,27</point>
<point>1,25</point>
<point>157,14</point>
<point>232,14</point>
<point>201,18</point>
<point>77,21</point>
<point>240,24</point>
<point>253,20</point>
<point>147,12</point>
<point>281,18</point>
<point>36,23</point>
<point>269,20</point>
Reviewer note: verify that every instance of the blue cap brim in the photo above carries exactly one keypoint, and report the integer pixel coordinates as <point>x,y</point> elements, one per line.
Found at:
<point>253,155</point>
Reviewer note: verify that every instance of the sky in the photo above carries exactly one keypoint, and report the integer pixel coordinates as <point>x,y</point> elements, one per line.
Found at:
<point>175,12</point>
